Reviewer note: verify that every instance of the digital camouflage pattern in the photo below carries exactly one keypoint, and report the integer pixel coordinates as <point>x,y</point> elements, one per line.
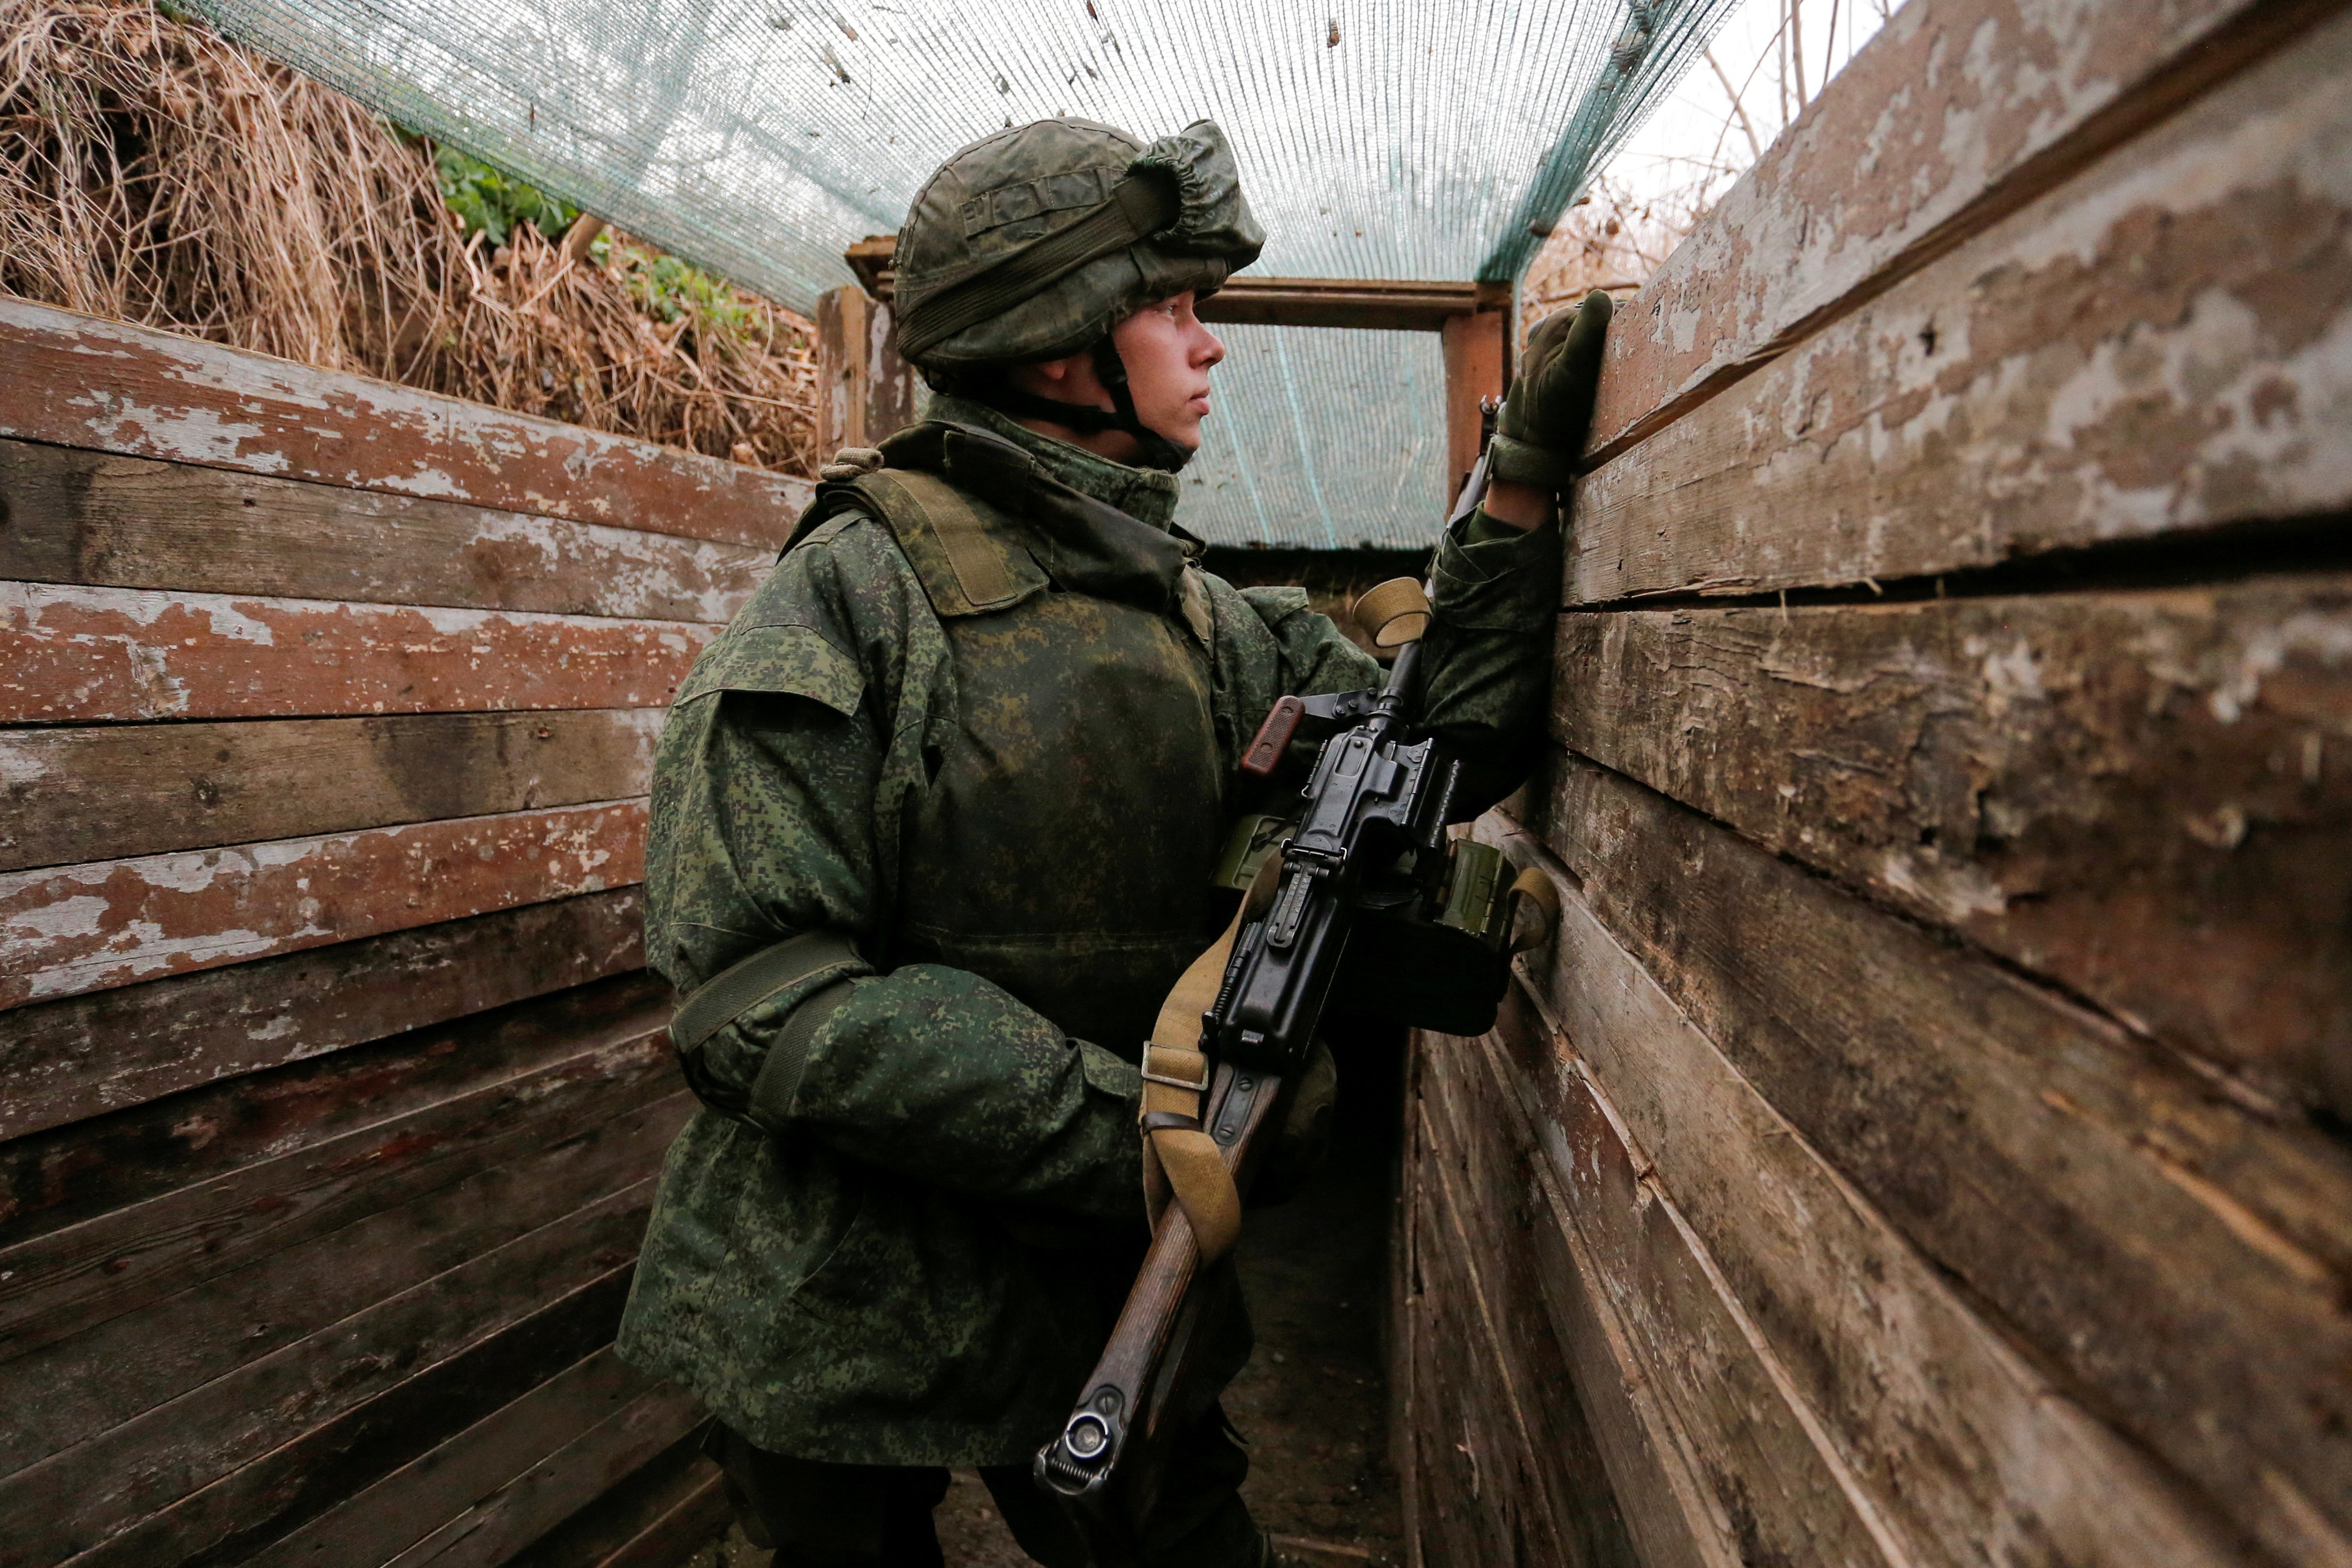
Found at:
<point>992,202</point>
<point>1016,811</point>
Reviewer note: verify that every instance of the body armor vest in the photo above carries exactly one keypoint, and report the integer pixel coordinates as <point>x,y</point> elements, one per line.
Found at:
<point>1064,844</point>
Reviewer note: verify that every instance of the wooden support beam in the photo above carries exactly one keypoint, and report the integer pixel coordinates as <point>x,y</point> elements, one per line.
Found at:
<point>875,259</point>
<point>1380,304</point>
<point>1475,350</point>
<point>864,390</point>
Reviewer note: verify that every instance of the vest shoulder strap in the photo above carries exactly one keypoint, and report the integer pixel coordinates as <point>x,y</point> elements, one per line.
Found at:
<point>961,548</point>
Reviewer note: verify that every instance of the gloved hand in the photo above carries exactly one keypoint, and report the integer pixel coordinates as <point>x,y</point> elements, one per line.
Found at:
<point>1305,1139</point>
<point>1548,413</point>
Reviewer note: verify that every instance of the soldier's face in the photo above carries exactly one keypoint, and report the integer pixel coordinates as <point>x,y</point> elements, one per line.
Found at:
<point>1169,354</point>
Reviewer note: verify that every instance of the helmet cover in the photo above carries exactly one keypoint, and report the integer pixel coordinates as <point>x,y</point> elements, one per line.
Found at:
<point>1030,243</point>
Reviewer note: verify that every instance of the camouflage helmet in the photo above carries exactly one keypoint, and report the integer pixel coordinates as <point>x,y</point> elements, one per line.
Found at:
<point>1029,244</point>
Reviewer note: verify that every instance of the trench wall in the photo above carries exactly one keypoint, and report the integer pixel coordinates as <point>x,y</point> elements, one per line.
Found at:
<point>1925,1141</point>
<point>332,1084</point>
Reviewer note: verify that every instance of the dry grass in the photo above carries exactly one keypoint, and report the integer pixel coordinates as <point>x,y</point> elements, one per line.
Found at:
<point>153,172</point>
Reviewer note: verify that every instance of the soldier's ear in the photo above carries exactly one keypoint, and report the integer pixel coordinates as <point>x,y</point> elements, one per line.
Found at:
<point>1048,377</point>
<point>1056,372</point>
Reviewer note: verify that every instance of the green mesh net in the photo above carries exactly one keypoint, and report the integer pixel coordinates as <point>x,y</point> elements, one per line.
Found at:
<point>1408,138</point>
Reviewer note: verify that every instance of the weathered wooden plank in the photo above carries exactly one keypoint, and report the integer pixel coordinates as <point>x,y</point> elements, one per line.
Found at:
<point>866,391</point>
<point>1957,113</point>
<point>118,1369</point>
<point>693,1519</point>
<point>656,1519</point>
<point>1782,1492</point>
<point>74,1501</point>
<point>260,1501</point>
<point>1482,1502</point>
<point>67,930</point>
<point>2145,796</point>
<point>1654,1468</point>
<point>1965,1445</point>
<point>1401,1324</point>
<point>1477,1273</point>
<point>77,381</point>
<point>2184,1261</point>
<point>1468,1513</point>
<point>534,1502</point>
<point>85,517</point>
<point>397,1511</point>
<point>157,1200</point>
<point>81,656</point>
<point>118,789</point>
<point>2162,343</point>
<point>84,1055</point>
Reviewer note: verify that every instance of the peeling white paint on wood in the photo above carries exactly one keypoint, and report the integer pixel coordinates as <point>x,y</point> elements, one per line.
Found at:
<point>1935,120</point>
<point>78,381</point>
<point>2015,397</point>
<point>70,930</point>
<point>71,654</point>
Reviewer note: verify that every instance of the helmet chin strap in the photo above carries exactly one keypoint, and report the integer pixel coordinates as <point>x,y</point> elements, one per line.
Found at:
<point>1157,450</point>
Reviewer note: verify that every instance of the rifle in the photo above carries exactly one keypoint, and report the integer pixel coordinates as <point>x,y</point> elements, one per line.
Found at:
<point>1367,893</point>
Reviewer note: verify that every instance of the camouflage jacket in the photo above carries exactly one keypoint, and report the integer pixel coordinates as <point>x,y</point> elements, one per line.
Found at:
<point>1010,793</point>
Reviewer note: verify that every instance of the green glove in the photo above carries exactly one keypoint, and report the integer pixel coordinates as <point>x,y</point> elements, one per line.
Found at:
<point>1548,413</point>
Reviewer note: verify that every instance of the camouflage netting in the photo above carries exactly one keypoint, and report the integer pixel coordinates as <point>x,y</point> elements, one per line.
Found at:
<point>1410,139</point>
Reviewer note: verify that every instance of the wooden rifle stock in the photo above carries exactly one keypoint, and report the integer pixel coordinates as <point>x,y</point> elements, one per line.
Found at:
<point>1108,1462</point>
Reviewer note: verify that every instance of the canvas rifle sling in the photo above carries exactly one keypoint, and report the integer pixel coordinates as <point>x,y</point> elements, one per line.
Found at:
<point>1180,1159</point>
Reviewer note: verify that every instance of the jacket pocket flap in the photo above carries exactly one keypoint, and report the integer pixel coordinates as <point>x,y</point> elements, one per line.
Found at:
<point>793,661</point>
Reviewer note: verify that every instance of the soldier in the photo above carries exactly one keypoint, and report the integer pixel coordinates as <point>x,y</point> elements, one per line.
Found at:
<point>939,812</point>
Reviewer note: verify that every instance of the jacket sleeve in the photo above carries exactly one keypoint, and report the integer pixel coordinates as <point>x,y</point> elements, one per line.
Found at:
<point>777,788</point>
<point>1487,666</point>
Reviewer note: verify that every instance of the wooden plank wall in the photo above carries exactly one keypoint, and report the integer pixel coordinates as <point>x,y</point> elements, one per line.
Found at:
<point>1925,1142</point>
<point>331,1083</point>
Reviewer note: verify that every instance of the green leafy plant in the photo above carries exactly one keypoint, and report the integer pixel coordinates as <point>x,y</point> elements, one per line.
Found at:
<point>493,202</point>
<point>666,288</point>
